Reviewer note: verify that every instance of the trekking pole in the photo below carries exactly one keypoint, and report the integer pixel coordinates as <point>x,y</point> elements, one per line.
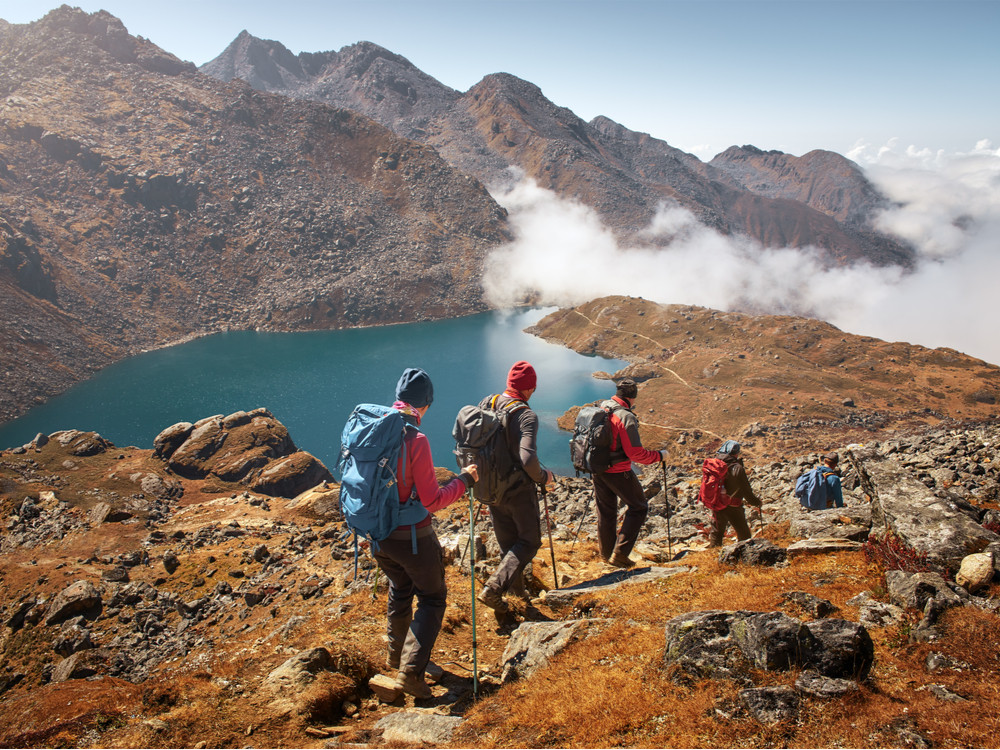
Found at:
<point>475,520</point>
<point>666,499</point>
<point>472,580</point>
<point>548,525</point>
<point>586,510</point>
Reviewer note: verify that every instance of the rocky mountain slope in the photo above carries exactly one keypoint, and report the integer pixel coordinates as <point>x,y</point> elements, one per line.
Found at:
<point>142,202</point>
<point>821,199</point>
<point>781,385</point>
<point>182,597</point>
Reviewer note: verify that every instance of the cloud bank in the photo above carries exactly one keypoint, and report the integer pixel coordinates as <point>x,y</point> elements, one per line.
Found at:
<point>946,205</point>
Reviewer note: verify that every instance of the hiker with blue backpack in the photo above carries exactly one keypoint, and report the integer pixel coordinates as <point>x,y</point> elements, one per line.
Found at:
<point>819,488</point>
<point>388,491</point>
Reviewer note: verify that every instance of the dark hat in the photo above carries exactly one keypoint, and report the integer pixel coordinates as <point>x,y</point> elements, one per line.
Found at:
<point>627,388</point>
<point>730,446</point>
<point>415,388</point>
<point>522,377</point>
<point>832,457</point>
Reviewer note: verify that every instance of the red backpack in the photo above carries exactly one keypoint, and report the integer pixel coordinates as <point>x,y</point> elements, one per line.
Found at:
<point>713,490</point>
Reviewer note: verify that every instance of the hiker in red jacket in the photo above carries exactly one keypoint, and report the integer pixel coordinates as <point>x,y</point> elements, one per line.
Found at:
<point>737,488</point>
<point>620,481</point>
<point>410,556</point>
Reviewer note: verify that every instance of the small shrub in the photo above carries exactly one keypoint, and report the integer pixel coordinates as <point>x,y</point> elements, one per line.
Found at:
<point>892,553</point>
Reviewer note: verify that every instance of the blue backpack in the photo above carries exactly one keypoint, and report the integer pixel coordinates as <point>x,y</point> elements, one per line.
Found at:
<point>811,489</point>
<point>370,449</point>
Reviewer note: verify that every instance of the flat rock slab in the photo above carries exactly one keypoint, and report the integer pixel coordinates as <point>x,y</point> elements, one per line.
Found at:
<point>534,643</point>
<point>555,597</point>
<point>413,729</point>
<point>821,547</point>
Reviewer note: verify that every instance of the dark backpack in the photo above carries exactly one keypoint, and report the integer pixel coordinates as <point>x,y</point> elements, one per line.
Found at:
<point>713,488</point>
<point>811,489</point>
<point>481,438</point>
<point>370,448</point>
<point>590,446</point>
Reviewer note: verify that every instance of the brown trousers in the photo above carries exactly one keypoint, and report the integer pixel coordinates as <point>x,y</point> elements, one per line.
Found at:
<point>722,519</point>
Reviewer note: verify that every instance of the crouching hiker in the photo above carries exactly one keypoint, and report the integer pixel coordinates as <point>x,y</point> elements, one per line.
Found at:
<point>724,487</point>
<point>820,488</point>
<point>405,547</point>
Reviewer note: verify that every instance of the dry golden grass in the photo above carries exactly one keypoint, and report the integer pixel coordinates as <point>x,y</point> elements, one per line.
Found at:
<point>612,690</point>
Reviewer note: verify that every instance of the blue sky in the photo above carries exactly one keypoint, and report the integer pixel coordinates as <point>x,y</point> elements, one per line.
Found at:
<point>787,75</point>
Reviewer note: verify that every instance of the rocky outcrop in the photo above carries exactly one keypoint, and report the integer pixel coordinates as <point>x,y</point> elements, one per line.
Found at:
<point>726,644</point>
<point>252,448</point>
<point>905,507</point>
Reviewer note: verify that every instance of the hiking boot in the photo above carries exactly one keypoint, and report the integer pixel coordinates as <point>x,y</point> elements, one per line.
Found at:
<point>506,622</point>
<point>493,599</point>
<point>621,561</point>
<point>518,589</point>
<point>414,685</point>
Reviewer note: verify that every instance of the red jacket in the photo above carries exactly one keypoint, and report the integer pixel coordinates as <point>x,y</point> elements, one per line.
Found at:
<point>625,444</point>
<point>419,472</point>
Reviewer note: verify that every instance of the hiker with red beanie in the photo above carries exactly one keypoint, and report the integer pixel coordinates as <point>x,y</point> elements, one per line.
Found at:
<point>620,482</point>
<point>410,556</point>
<point>516,519</point>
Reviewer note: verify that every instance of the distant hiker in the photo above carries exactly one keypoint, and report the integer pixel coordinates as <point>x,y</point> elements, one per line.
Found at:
<point>724,487</point>
<point>619,481</point>
<point>516,520</point>
<point>410,556</point>
<point>820,488</point>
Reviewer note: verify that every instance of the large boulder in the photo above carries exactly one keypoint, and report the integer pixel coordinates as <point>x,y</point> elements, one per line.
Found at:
<point>975,572</point>
<point>753,551</point>
<point>321,502</point>
<point>913,590</point>
<point>79,598</point>
<point>80,443</point>
<point>839,648</point>
<point>291,475</point>
<point>170,439</point>
<point>723,644</point>
<point>904,506</point>
<point>251,448</point>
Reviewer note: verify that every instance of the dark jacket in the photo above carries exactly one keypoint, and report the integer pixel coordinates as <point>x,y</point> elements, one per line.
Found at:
<point>737,483</point>
<point>522,435</point>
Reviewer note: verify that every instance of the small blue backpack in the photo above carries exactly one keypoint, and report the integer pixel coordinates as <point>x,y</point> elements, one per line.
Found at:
<point>811,490</point>
<point>370,448</point>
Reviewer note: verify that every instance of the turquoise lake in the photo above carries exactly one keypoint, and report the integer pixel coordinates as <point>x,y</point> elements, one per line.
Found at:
<point>311,381</point>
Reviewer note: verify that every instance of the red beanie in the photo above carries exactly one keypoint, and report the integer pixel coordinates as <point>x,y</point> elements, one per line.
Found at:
<point>521,377</point>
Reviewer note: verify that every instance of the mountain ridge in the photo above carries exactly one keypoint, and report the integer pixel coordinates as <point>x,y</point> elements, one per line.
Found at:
<point>503,121</point>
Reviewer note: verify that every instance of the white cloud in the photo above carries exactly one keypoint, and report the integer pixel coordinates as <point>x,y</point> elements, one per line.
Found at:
<point>947,206</point>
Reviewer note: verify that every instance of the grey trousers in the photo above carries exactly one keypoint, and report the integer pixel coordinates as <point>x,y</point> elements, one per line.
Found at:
<point>412,635</point>
<point>518,529</point>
